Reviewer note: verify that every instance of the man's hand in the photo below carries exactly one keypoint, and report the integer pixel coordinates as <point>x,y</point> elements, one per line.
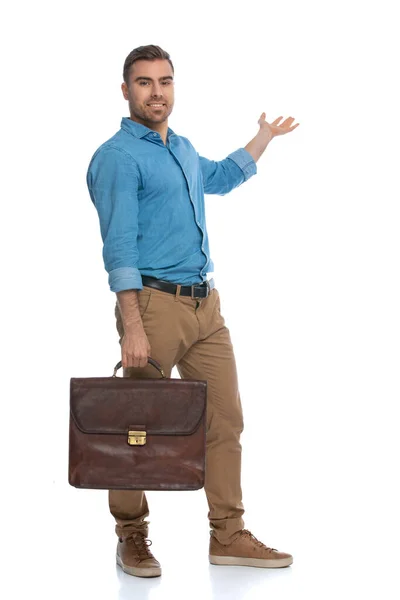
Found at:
<point>135,347</point>
<point>267,131</point>
<point>273,129</point>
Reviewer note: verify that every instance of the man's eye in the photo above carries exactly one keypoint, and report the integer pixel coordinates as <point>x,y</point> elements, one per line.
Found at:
<point>166,82</point>
<point>144,82</point>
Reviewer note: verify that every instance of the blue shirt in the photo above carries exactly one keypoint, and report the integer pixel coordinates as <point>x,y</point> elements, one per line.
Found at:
<point>150,201</point>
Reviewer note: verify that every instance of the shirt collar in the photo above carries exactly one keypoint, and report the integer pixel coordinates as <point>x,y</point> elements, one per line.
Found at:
<point>139,130</point>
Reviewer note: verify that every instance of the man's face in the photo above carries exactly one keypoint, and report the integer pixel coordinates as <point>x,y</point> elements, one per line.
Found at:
<point>150,83</point>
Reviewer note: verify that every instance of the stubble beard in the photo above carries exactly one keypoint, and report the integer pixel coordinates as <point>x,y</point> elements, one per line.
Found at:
<point>146,116</point>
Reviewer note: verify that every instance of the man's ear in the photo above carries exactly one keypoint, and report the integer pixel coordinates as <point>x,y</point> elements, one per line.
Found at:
<point>124,89</point>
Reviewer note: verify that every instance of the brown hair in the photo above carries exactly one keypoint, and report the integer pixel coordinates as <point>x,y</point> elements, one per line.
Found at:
<point>144,53</point>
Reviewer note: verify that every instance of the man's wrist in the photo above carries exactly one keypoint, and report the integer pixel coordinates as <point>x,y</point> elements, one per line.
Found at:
<point>259,143</point>
<point>133,327</point>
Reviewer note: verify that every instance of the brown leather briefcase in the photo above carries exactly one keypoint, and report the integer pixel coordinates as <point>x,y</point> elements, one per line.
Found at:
<point>137,434</point>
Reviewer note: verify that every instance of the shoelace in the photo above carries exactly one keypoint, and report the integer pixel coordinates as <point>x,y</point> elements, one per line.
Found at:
<point>141,544</point>
<point>256,541</point>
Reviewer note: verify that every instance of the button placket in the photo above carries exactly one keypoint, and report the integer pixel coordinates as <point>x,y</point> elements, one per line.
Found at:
<point>194,210</point>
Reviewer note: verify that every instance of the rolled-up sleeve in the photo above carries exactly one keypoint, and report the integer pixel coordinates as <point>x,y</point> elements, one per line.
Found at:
<point>220,177</point>
<point>113,181</point>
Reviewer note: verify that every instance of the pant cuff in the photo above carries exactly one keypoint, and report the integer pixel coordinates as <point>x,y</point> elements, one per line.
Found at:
<point>226,530</point>
<point>125,530</point>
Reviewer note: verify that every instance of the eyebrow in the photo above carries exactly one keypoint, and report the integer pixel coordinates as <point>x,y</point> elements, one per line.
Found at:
<point>150,79</point>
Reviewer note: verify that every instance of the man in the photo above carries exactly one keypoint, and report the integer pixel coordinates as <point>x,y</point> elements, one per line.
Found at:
<point>147,184</point>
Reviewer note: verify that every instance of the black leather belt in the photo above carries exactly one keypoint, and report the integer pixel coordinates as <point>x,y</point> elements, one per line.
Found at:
<point>198,290</point>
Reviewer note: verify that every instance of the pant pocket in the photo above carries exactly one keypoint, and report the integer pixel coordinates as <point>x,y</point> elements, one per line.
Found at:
<point>144,299</point>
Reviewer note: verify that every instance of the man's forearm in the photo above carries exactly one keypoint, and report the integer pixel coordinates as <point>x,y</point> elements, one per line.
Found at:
<point>257,145</point>
<point>128,303</point>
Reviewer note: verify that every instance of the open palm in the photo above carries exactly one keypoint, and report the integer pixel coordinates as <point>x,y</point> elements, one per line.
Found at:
<point>275,129</point>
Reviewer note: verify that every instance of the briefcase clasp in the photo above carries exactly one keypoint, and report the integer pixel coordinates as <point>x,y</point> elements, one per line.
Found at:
<point>136,438</point>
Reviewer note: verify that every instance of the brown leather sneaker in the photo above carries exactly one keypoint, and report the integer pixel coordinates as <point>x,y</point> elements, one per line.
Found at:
<point>247,551</point>
<point>135,558</point>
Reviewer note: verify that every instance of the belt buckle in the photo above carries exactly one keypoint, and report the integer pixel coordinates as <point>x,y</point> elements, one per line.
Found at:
<point>199,285</point>
<point>191,292</point>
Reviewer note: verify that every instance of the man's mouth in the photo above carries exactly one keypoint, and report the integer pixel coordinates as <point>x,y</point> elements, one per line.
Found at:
<point>156,105</point>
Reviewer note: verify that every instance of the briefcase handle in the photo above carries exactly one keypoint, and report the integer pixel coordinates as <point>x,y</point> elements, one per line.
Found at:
<point>153,362</point>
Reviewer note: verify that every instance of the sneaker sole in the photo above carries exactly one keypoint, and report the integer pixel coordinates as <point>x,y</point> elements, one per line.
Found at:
<point>250,562</point>
<point>139,571</point>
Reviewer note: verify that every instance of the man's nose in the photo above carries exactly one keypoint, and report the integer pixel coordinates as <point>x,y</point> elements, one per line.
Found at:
<point>157,91</point>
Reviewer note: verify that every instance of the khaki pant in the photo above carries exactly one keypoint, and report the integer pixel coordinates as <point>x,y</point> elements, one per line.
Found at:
<point>192,335</point>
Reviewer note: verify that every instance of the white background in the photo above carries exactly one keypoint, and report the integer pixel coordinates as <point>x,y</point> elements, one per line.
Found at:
<point>306,260</point>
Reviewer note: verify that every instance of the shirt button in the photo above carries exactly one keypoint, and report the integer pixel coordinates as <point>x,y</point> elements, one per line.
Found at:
<point>155,134</point>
